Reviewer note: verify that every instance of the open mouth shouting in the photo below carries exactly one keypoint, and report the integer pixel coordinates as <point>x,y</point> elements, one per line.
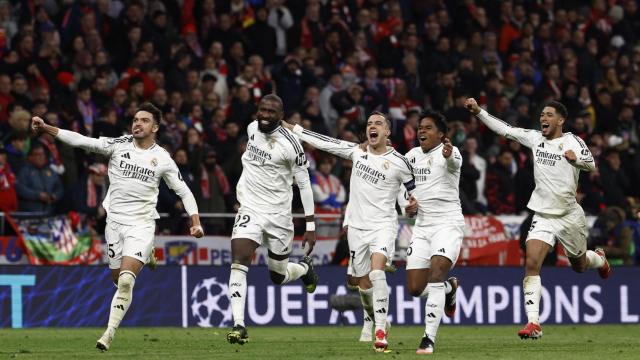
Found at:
<point>373,135</point>
<point>544,125</point>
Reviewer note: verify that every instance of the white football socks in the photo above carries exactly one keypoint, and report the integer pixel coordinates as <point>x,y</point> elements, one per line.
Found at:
<point>433,309</point>
<point>366,298</point>
<point>238,292</point>
<point>380,298</point>
<point>532,287</point>
<point>294,272</point>
<point>122,298</point>
<point>594,261</point>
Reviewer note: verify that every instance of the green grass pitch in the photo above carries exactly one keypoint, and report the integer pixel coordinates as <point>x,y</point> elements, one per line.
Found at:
<point>454,342</point>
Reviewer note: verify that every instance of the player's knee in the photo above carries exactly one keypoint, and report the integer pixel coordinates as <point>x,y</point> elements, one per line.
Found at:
<point>437,275</point>
<point>276,278</point>
<point>126,280</point>
<point>414,290</point>
<point>531,264</point>
<point>579,267</point>
<point>277,270</point>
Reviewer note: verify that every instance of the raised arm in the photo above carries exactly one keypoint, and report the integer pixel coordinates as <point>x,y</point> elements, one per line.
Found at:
<point>523,136</point>
<point>174,180</point>
<point>102,146</point>
<point>343,149</point>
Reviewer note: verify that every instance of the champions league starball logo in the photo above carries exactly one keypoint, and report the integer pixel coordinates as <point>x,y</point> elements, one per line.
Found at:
<point>210,304</point>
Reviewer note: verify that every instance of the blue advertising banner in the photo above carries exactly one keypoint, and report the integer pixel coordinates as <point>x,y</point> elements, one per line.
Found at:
<point>41,296</point>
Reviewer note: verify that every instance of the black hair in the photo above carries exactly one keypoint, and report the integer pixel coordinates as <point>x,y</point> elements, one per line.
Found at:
<point>153,110</point>
<point>438,119</point>
<point>560,109</point>
<point>275,98</point>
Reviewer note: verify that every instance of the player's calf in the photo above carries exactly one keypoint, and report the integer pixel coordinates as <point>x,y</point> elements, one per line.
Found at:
<point>450,298</point>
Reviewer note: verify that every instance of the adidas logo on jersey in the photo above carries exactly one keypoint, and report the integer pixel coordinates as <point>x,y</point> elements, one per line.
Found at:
<point>126,156</point>
<point>365,156</point>
<point>541,145</point>
<point>236,295</point>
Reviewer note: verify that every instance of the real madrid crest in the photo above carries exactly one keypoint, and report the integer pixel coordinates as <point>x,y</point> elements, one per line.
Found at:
<point>271,144</point>
<point>385,165</point>
<point>154,162</point>
<point>560,147</point>
<point>429,162</point>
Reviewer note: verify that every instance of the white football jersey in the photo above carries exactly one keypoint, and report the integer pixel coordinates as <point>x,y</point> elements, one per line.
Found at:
<point>437,186</point>
<point>268,168</point>
<point>375,180</point>
<point>556,178</point>
<point>134,178</point>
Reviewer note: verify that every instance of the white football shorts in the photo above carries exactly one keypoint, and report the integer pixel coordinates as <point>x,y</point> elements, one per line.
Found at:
<point>570,229</point>
<point>427,241</point>
<point>273,231</point>
<point>135,241</point>
<point>363,243</point>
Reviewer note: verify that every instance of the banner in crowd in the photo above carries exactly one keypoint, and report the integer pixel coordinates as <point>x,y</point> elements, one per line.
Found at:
<point>44,296</point>
<point>57,240</point>
<point>488,241</point>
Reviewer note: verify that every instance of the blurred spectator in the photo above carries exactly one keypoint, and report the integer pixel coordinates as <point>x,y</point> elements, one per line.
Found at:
<point>281,20</point>
<point>39,188</point>
<point>329,195</point>
<point>472,178</point>
<point>15,151</point>
<point>500,185</point>
<point>8,198</point>
<point>88,194</point>
<point>616,235</point>
<point>214,193</point>
<point>614,179</point>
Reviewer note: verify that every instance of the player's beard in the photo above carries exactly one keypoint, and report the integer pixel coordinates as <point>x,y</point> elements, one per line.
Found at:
<point>267,128</point>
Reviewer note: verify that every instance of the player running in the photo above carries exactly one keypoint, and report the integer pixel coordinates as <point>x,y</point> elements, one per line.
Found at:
<point>274,157</point>
<point>372,219</point>
<point>558,159</point>
<point>439,229</point>
<point>136,165</point>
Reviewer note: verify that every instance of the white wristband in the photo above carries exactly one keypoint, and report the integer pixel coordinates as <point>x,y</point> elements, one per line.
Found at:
<point>311,226</point>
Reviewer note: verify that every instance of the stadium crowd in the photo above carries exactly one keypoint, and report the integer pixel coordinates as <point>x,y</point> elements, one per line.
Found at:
<point>87,65</point>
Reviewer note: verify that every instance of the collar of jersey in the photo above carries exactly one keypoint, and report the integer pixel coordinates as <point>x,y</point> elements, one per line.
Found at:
<point>137,148</point>
<point>383,154</point>
<point>274,130</point>
<point>434,148</point>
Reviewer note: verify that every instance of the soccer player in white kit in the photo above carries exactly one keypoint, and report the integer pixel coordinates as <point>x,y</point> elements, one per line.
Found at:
<point>274,157</point>
<point>439,228</point>
<point>377,175</point>
<point>558,159</point>
<point>136,165</point>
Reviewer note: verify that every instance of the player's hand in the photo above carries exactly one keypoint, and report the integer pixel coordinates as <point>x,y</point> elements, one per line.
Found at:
<point>287,125</point>
<point>472,106</point>
<point>363,146</point>
<point>309,238</point>
<point>412,209</point>
<point>196,231</point>
<point>37,124</point>
<point>447,149</point>
<point>570,156</point>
